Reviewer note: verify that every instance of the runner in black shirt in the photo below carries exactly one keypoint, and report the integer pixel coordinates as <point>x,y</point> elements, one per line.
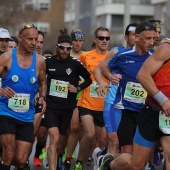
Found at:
<point>63,74</point>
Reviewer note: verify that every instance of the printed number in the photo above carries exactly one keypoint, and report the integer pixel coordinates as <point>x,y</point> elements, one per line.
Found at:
<point>167,122</point>
<point>137,93</point>
<point>60,88</point>
<point>20,101</point>
<point>96,88</point>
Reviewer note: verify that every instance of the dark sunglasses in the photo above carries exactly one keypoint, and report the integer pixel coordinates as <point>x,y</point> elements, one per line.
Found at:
<point>153,21</point>
<point>27,26</point>
<point>62,47</point>
<point>101,38</point>
<point>146,27</point>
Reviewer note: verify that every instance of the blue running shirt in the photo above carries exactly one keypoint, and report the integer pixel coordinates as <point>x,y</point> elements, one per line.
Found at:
<point>24,82</point>
<point>128,62</point>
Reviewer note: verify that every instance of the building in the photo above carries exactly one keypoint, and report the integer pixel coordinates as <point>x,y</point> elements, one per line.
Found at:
<point>46,15</point>
<point>161,11</point>
<point>90,14</point>
<point>49,18</point>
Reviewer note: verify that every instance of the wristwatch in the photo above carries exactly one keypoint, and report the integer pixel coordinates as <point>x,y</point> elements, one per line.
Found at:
<point>78,88</point>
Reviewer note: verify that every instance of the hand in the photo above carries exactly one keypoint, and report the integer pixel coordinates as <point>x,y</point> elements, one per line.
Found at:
<point>72,88</point>
<point>7,92</point>
<point>115,78</point>
<point>102,89</point>
<point>42,102</point>
<point>166,108</point>
<point>37,96</point>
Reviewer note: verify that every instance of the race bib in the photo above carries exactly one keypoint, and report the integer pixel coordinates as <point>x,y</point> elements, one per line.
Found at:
<point>134,92</point>
<point>59,88</point>
<point>164,123</point>
<point>19,103</point>
<point>93,90</point>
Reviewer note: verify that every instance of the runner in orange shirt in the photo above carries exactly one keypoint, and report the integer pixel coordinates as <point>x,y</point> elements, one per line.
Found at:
<point>90,105</point>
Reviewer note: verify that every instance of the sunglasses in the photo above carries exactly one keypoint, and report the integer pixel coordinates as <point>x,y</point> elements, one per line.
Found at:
<point>101,38</point>
<point>153,21</point>
<point>62,47</point>
<point>146,27</point>
<point>27,26</point>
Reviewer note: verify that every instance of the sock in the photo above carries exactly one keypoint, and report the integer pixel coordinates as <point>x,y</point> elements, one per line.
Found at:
<point>4,167</point>
<point>39,148</point>
<point>68,159</point>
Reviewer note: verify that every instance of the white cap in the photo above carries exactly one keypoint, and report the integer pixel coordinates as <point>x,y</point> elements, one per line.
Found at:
<point>4,33</point>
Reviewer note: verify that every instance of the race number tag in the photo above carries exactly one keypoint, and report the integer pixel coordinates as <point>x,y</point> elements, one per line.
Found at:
<point>19,103</point>
<point>93,90</point>
<point>59,88</point>
<point>164,123</point>
<point>134,92</point>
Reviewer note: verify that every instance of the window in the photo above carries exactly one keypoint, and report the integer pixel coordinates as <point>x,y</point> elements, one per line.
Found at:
<point>44,4</point>
<point>43,26</point>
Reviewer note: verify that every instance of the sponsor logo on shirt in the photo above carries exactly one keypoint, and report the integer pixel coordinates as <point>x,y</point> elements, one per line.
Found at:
<point>130,61</point>
<point>32,80</point>
<point>52,69</point>
<point>68,71</point>
<point>15,78</point>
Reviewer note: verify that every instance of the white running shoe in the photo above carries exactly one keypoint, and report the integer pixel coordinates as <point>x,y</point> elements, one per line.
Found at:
<point>95,156</point>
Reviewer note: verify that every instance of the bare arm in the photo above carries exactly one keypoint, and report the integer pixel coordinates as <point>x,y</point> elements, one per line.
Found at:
<point>42,82</point>
<point>5,63</point>
<point>98,73</point>
<point>149,68</point>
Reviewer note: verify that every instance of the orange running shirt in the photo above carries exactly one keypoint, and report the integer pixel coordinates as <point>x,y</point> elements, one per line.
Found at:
<point>88,98</point>
<point>162,81</point>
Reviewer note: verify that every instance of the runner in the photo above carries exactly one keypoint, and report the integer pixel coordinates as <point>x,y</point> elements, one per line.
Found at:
<point>128,62</point>
<point>90,105</point>
<point>154,116</point>
<point>75,135</point>
<point>63,74</point>
<point>108,112</point>
<point>17,97</point>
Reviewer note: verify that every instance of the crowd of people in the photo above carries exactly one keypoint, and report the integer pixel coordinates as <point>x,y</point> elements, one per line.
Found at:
<point>113,102</point>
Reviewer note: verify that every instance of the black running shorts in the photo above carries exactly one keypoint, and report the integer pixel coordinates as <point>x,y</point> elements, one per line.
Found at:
<point>60,118</point>
<point>23,130</point>
<point>97,115</point>
<point>127,127</point>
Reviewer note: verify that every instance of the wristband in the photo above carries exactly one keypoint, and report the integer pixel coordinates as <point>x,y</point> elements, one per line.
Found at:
<point>160,98</point>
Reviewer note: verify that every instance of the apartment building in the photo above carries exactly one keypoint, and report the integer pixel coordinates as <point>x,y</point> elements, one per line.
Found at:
<point>90,14</point>
<point>46,15</point>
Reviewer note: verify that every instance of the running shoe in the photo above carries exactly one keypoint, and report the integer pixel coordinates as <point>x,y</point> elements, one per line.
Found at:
<point>74,154</point>
<point>78,166</point>
<point>45,160</point>
<point>67,165</point>
<point>60,165</point>
<point>26,167</point>
<point>103,160</point>
<point>43,153</point>
<point>95,155</point>
<point>37,162</point>
<point>151,167</point>
<point>89,162</point>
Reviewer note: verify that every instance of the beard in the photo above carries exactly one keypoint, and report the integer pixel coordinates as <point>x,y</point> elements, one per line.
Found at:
<point>63,56</point>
